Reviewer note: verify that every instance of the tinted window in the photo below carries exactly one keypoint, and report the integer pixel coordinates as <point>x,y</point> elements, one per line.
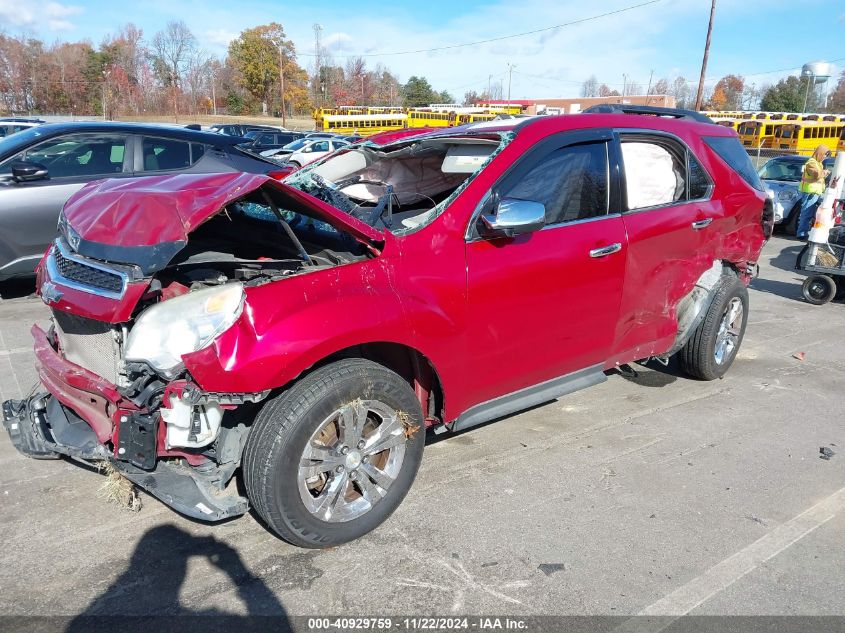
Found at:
<point>197,151</point>
<point>571,182</point>
<point>76,155</point>
<point>320,146</point>
<point>655,172</point>
<point>162,154</point>
<point>699,181</point>
<point>730,151</point>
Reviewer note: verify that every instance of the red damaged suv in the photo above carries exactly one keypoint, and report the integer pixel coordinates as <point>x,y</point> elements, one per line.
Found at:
<point>304,335</point>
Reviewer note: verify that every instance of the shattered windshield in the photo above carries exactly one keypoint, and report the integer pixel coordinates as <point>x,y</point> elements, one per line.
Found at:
<point>400,187</point>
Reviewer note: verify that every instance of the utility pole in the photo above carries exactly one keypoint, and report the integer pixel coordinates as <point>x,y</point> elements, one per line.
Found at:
<point>700,94</point>
<point>213,91</point>
<point>648,90</point>
<point>489,87</point>
<point>624,83</point>
<point>282,82</point>
<point>510,73</point>
<point>318,28</point>
<point>104,95</point>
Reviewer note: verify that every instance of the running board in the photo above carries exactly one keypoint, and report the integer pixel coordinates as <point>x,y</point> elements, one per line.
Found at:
<point>529,397</point>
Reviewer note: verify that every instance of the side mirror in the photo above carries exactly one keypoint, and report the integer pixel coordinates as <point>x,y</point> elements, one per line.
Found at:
<point>306,150</point>
<point>513,217</point>
<point>29,172</point>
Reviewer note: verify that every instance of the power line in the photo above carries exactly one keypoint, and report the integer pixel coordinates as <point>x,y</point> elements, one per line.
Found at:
<point>503,37</point>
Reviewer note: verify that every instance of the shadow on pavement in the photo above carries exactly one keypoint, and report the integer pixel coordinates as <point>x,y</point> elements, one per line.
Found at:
<point>785,260</point>
<point>17,288</point>
<point>146,595</point>
<point>785,289</point>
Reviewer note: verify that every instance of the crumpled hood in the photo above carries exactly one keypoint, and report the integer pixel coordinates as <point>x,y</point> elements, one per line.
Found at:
<point>146,221</point>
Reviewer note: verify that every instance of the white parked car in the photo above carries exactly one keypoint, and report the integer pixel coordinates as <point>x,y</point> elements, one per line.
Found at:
<point>314,149</point>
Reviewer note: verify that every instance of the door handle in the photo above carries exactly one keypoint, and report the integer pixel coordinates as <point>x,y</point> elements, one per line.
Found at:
<point>700,224</point>
<point>604,251</point>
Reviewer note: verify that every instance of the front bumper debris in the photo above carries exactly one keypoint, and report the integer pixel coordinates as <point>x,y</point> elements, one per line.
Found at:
<point>42,428</point>
<point>24,431</point>
<point>185,492</point>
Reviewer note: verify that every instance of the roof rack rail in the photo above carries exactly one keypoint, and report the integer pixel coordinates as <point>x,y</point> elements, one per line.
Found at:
<point>675,113</point>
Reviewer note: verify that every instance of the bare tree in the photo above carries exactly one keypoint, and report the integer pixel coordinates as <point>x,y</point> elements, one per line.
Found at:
<point>590,87</point>
<point>173,47</point>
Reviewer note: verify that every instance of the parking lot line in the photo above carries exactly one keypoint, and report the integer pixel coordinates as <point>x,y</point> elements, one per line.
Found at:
<point>722,575</point>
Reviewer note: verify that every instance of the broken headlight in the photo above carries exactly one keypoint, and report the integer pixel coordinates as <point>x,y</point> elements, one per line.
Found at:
<point>185,324</point>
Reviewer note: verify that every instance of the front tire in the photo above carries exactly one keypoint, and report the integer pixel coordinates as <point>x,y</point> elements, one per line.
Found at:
<point>332,457</point>
<point>713,346</point>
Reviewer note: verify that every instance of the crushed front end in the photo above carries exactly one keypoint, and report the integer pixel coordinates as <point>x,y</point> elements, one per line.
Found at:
<point>153,424</point>
<point>141,276</point>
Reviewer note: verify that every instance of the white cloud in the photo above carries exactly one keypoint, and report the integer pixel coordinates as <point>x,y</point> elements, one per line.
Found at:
<point>220,37</point>
<point>55,15</point>
<point>335,39</point>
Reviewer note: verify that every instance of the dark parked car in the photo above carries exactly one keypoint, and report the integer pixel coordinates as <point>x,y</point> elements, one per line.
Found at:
<point>236,129</point>
<point>262,140</point>
<point>40,168</point>
<point>302,335</point>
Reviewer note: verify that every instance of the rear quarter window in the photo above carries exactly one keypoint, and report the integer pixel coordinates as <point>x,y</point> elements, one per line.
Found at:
<point>730,150</point>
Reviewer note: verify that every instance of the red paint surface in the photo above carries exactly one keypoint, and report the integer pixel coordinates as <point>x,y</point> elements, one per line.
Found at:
<point>491,316</point>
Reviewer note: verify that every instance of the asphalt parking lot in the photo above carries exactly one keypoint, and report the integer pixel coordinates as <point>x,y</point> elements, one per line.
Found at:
<point>657,495</point>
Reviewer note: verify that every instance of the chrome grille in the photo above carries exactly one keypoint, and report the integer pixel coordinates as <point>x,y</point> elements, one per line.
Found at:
<point>90,344</point>
<point>80,273</point>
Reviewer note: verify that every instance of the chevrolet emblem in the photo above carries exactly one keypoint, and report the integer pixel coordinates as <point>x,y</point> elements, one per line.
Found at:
<point>49,293</point>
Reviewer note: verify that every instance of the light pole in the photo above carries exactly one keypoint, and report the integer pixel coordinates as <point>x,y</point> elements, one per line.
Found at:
<point>282,81</point>
<point>105,78</point>
<point>510,74</point>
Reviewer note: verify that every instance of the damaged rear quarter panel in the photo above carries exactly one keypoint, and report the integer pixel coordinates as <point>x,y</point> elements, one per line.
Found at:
<point>667,256</point>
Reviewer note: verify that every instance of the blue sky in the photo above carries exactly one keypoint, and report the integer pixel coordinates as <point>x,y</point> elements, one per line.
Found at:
<point>757,39</point>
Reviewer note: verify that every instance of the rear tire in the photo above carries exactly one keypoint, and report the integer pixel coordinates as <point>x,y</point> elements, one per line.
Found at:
<point>818,289</point>
<point>713,346</point>
<point>314,465</point>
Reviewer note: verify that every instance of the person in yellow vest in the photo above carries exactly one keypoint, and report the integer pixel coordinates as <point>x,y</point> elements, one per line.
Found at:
<point>812,188</point>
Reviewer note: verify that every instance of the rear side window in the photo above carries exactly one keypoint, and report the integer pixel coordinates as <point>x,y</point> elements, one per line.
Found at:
<point>571,182</point>
<point>699,181</point>
<point>163,154</point>
<point>730,151</point>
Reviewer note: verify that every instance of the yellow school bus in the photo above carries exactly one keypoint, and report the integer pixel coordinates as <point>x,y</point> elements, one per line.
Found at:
<point>473,117</point>
<point>501,108</point>
<point>841,145</point>
<point>762,116</point>
<point>363,124</point>
<point>384,110</point>
<point>756,133</point>
<point>428,118</point>
<point>727,122</point>
<point>803,138</point>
